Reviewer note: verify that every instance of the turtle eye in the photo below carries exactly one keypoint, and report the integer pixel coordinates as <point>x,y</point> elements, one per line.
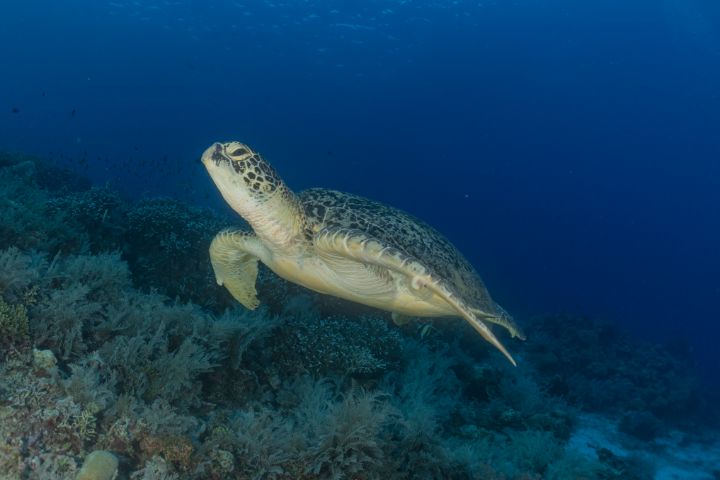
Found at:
<point>238,151</point>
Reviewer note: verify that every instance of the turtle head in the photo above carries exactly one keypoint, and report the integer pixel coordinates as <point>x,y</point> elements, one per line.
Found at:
<point>241,174</point>
<point>252,188</point>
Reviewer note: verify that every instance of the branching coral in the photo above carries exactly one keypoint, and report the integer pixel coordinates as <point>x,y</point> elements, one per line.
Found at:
<point>40,426</point>
<point>346,436</point>
<point>19,271</point>
<point>14,325</point>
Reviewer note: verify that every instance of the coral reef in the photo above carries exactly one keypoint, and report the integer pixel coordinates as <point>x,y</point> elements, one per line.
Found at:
<point>120,355</point>
<point>590,363</point>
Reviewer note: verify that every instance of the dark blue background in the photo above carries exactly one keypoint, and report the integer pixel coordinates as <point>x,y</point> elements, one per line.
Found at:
<point>570,149</point>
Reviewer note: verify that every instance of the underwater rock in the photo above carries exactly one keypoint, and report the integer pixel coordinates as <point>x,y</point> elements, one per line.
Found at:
<point>44,359</point>
<point>641,425</point>
<point>99,465</point>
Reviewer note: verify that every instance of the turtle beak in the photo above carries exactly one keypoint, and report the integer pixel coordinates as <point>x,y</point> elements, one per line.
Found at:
<point>213,154</point>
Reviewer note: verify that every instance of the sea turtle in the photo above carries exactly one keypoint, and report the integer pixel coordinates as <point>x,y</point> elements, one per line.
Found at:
<point>343,245</point>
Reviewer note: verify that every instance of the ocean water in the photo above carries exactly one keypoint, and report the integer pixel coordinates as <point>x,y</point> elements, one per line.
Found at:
<point>571,150</point>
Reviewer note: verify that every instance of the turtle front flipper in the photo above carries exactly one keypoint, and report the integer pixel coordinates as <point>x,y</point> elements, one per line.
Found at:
<point>357,245</point>
<point>234,258</point>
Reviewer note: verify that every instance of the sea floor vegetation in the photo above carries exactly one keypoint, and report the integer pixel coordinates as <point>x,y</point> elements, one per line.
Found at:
<point>121,358</point>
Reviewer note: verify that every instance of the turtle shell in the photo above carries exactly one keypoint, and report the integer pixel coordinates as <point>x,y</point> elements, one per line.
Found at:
<point>330,208</point>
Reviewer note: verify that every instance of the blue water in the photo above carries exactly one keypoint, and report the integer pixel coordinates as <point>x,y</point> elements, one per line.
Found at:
<point>570,149</point>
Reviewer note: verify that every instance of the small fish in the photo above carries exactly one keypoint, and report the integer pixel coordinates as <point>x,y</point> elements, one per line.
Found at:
<point>72,114</point>
<point>425,330</point>
<point>15,110</point>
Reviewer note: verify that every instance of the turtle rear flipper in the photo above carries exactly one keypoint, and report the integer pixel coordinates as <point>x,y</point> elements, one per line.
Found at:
<point>358,245</point>
<point>503,319</point>
<point>233,254</point>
